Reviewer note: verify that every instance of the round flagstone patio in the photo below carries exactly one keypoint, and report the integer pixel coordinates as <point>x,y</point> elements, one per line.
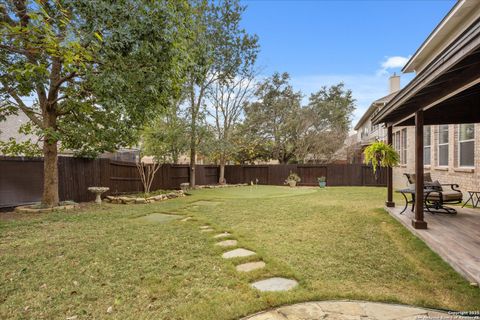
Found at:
<point>348,310</point>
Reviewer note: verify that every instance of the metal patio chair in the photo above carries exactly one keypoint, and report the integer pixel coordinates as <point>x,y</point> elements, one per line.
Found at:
<point>436,197</point>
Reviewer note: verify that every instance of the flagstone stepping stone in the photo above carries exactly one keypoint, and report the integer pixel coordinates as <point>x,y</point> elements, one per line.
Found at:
<point>275,284</point>
<point>207,230</point>
<point>222,235</point>
<point>159,217</point>
<point>186,219</point>
<point>238,253</point>
<point>250,266</point>
<point>205,227</point>
<point>227,243</point>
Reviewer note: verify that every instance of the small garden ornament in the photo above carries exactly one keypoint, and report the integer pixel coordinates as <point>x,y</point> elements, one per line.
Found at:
<point>98,191</point>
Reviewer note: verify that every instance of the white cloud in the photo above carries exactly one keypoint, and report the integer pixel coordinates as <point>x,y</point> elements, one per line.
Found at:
<point>395,62</point>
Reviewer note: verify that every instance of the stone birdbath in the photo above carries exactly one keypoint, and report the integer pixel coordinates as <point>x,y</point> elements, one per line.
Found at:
<point>184,186</point>
<point>98,191</point>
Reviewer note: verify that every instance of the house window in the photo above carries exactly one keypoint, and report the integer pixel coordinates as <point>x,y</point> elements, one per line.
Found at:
<point>466,145</point>
<point>443,145</point>
<point>403,154</point>
<point>396,142</point>
<point>427,146</point>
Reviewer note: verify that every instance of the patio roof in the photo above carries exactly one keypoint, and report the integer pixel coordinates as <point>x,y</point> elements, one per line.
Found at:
<point>448,89</point>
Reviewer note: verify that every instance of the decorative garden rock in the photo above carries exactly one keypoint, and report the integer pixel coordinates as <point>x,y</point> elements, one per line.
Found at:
<point>98,192</point>
<point>131,200</point>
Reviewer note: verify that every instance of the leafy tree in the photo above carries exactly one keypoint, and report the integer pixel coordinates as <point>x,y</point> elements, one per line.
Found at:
<point>227,99</point>
<point>249,146</point>
<point>325,123</point>
<point>97,70</point>
<point>218,50</point>
<point>274,116</point>
<point>166,138</point>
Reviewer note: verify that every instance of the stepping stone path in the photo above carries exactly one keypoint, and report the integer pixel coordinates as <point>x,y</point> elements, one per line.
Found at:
<point>347,310</point>
<point>250,266</point>
<point>227,243</point>
<point>275,284</point>
<point>238,253</point>
<point>272,284</point>
<point>186,219</point>
<point>222,235</point>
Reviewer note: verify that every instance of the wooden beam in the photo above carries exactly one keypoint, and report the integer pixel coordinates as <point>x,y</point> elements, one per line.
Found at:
<point>390,202</point>
<point>457,84</point>
<point>418,222</point>
<point>462,108</point>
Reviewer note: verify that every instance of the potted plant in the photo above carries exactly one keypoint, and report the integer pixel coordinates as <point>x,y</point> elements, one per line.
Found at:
<point>292,179</point>
<point>322,181</point>
<point>380,154</point>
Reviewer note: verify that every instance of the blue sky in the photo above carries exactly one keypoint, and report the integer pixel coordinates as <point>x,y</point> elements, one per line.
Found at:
<point>358,42</point>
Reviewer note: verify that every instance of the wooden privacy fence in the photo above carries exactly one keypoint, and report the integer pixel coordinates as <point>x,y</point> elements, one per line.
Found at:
<point>336,174</point>
<point>21,179</point>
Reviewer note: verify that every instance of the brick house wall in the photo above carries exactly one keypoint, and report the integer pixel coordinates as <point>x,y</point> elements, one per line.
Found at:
<point>468,178</point>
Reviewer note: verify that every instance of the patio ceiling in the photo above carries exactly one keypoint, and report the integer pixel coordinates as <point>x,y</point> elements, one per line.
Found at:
<point>448,90</point>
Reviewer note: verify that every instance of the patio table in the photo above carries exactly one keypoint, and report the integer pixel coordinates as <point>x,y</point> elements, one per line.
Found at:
<point>472,196</point>
<point>411,192</point>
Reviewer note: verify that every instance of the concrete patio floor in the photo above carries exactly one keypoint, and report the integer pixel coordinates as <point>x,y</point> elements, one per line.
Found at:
<point>456,238</point>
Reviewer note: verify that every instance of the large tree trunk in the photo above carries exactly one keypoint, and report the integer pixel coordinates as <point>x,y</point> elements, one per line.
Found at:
<point>221,178</point>
<point>50,196</point>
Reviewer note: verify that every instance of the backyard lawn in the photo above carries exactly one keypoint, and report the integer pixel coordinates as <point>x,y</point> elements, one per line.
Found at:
<point>112,262</point>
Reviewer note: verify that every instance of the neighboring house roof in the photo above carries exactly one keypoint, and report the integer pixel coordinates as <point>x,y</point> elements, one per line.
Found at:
<point>373,107</point>
<point>460,17</point>
<point>9,128</point>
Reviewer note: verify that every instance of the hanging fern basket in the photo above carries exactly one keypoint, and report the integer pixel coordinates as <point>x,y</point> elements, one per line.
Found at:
<point>380,154</point>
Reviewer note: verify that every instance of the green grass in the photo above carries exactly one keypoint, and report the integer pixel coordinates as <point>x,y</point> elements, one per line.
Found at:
<point>338,243</point>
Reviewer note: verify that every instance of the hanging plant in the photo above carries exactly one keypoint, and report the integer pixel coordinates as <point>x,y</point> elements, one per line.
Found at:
<point>380,154</point>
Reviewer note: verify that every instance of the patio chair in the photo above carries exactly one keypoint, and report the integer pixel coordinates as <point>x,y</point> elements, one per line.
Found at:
<point>435,195</point>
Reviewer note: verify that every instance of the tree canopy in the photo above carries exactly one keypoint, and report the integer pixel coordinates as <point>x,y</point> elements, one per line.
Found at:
<point>96,70</point>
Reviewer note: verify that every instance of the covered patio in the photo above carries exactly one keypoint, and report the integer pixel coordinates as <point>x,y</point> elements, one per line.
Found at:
<point>456,238</point>
<point>446,90</point>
